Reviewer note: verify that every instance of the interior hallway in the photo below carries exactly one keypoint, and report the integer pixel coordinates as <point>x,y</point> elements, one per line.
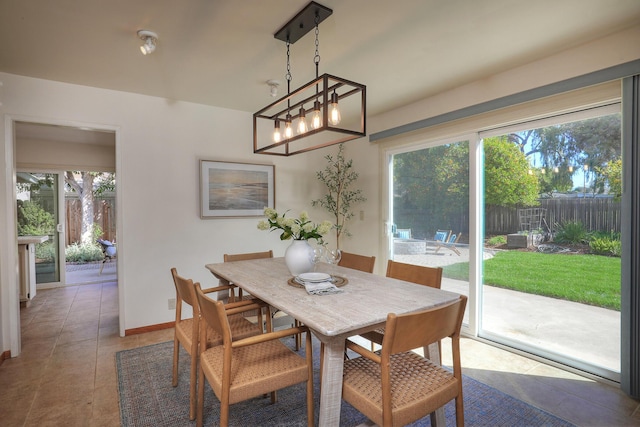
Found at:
<point>66,374</point>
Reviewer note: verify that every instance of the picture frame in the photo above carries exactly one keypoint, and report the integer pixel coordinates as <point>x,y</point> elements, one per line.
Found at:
<point>231,190</point>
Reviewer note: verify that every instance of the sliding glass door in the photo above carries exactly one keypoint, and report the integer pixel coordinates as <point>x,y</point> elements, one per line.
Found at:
<point>429,210</point>
<point>40,200</point>
<point>525,220</point>
<point>552,218</point>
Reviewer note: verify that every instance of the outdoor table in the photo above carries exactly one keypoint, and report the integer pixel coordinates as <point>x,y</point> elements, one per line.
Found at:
<point>363,306</point>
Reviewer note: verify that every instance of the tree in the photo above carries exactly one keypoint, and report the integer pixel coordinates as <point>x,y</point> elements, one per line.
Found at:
<point>338,176</point>
<point>594,142</point>
<point>33,220</point>
<point>506,175</point>
<point>431,186</point>
<point>86,192</point>
<point>434,181</point>
<point>612,178</point>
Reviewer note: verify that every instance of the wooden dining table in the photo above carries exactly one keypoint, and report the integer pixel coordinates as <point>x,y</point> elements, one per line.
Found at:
<point>362,306</point>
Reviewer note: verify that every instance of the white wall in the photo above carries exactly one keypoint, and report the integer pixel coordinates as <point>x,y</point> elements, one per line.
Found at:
<point>158,146</point>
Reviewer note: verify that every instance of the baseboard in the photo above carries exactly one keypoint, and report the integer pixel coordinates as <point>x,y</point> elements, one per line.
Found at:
<point>151,328</point>
<point>5,355</point>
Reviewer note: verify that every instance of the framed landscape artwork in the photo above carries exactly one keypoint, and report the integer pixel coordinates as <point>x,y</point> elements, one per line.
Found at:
<point>235,189</point>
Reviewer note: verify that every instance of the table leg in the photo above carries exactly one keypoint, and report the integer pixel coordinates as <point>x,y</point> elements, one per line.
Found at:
<point>432,352</point>
<point>331,382</point>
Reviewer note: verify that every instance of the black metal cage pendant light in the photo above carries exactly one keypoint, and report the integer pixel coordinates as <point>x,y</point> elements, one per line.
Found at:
<point>327,110</point>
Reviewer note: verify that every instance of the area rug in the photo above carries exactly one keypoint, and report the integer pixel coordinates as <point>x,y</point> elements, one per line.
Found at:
<point>148,399</point>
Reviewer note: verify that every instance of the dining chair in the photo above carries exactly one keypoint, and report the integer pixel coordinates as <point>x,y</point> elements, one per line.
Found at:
<point>186,331</point>
<point>242,369</point>
<point>280,319</point>
<point>244,257</point>
<point>421,275</point>
<point>396,386</point>
<point>357,262</point>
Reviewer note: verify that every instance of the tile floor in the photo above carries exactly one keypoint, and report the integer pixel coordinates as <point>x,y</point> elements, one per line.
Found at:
<point>66,373</point>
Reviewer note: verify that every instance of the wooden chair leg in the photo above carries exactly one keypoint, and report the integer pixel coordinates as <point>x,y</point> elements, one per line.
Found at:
<point>298,337</point>
<point>459,412</point>
<point>176,352</point>
<point>200,399</point>
<point>192,386</point>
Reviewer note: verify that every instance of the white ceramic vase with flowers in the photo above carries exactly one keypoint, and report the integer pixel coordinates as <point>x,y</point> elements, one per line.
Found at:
<point>299,255</point>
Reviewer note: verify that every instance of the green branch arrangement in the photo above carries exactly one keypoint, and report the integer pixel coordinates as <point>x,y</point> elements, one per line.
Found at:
<point>338,177</point>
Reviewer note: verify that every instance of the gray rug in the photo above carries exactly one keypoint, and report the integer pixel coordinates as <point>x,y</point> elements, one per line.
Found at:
<point>148,399</point>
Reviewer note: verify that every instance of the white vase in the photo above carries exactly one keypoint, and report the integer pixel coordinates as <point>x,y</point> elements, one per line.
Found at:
<point>299,257</point>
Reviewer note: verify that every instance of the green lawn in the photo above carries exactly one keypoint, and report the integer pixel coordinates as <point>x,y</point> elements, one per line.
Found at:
<point>588,279</point>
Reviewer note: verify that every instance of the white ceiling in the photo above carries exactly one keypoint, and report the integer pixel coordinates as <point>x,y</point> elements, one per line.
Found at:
<point>222,52</point>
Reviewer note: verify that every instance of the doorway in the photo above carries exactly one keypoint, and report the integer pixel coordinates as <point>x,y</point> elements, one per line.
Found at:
<point>50,150</point>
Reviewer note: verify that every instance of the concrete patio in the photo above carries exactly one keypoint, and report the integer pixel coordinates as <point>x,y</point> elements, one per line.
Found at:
<point>579,331</point>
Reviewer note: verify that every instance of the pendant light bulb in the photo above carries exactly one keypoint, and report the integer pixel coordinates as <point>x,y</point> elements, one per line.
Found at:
<point>316,120</point>
<point>302,122</point>
<point>288,132</point>
<point>277,135</point>
<point>334,110</point>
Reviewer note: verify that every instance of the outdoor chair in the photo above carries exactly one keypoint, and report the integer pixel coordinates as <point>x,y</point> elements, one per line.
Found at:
<point>421,275</point>
<point>108,250</point>
<point>442,235</point>
<point>243,369</point>
<point>403,233</point>
<point>450,244</point>
<point>186,331</point>
<point>357,262</point>
<point>396,386</point>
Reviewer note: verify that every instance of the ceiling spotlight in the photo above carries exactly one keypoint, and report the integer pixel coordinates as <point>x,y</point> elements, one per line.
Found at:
<point>273,87</point>
<point>150,38</point>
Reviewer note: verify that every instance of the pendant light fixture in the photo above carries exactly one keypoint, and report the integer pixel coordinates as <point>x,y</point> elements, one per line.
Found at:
<point>336,106</point>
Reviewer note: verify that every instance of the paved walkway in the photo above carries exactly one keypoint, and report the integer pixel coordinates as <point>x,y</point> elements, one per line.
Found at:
<point>563,327</point>
<point>84,274</point>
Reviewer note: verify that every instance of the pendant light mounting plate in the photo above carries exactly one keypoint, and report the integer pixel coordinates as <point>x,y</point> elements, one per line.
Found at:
<point>303,22</point>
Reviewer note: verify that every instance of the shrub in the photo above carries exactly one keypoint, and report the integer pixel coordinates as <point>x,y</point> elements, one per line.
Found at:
<point>572,232</point>
<point>606,246</point>
<point>497,241</point>
<point>605,235</point>
<point>33,220</point>
<point>83,253</point>
<point>45,251</point>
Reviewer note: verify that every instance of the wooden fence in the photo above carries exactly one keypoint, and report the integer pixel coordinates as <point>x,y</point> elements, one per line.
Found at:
<point>596,214</point>
<point>104,216</point>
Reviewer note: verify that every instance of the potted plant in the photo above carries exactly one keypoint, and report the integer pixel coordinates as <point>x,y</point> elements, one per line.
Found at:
<point>338,177</point>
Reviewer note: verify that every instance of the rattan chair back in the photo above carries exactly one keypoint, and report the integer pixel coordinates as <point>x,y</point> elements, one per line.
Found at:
<point>357,262</point>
